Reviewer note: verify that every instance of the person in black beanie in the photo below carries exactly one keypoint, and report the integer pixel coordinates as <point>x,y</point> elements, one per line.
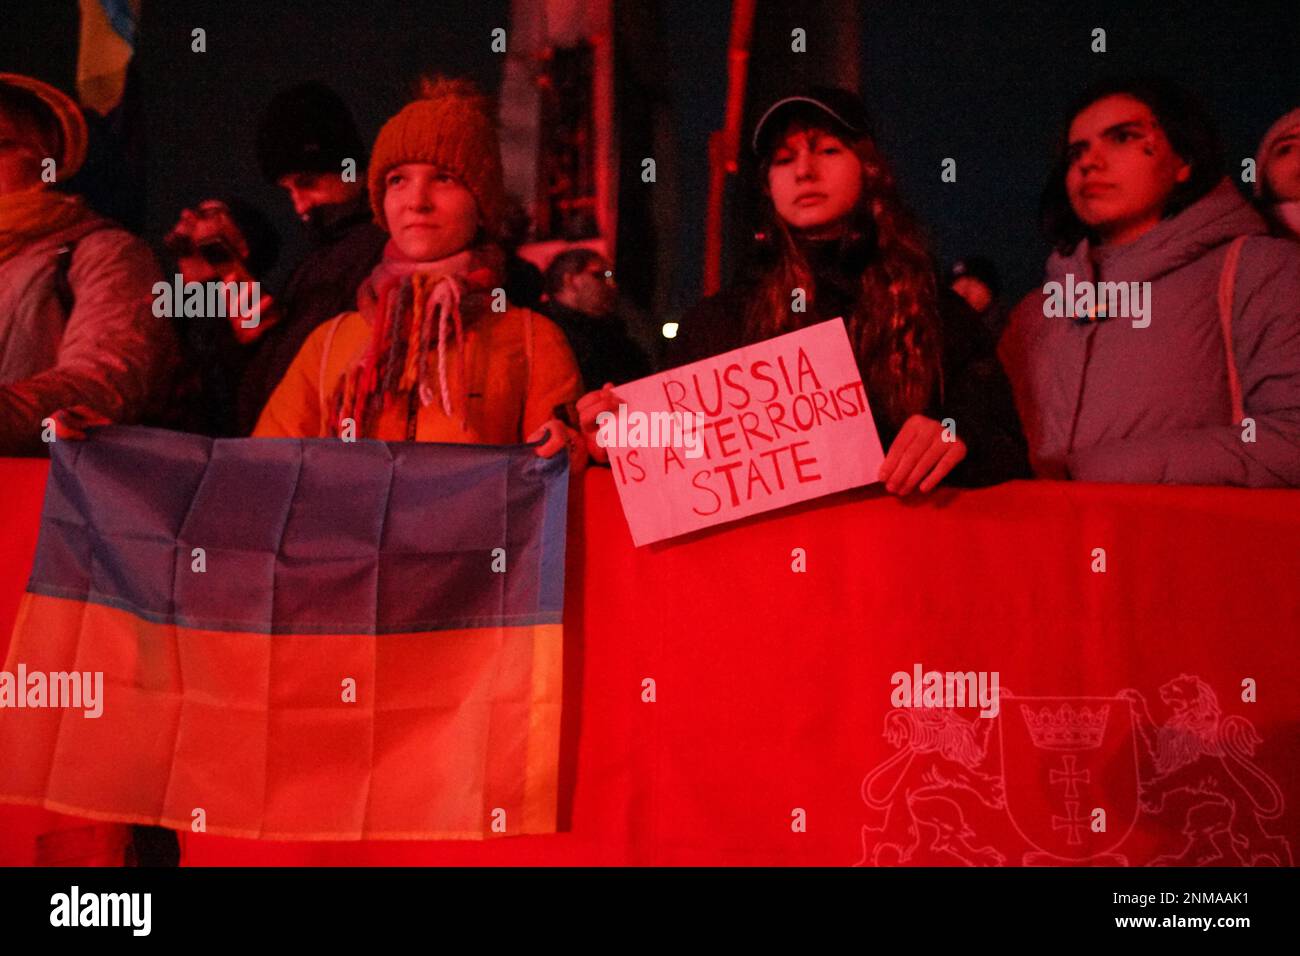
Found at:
<point>308,145</point>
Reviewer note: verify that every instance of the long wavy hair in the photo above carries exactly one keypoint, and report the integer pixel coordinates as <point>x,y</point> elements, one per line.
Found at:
<point>894,323</point>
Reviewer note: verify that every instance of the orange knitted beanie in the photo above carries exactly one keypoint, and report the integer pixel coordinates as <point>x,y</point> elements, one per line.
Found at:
<point>450,126</point>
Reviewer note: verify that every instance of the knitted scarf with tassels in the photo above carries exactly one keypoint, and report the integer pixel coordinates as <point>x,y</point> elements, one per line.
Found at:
<point>413,307</point>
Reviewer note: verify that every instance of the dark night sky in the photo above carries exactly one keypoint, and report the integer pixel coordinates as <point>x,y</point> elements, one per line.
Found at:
<point>983,83</point>
<point>988,86</point>
<point>986,83</point>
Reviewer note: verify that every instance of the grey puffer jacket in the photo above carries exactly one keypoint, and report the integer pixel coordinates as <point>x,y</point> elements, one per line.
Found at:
<point>108,352</point>
<point>1108,401</point>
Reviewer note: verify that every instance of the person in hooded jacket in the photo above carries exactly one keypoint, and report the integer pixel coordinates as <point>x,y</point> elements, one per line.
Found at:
<point>1277,175</point>
<point>1203,387</point>
<point>79,341</point>
<point>837,228</point>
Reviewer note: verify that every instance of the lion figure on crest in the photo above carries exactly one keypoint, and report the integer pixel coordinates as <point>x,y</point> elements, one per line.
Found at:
<point>938,758</point>
<point>1207,756</point>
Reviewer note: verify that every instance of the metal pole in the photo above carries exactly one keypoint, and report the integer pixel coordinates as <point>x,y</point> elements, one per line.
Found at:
<point>724,144</point>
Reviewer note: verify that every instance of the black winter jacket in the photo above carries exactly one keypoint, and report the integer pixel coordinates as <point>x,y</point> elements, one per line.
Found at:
<point>604,349</point>
<point>324,285</point>
<point>975,391</point>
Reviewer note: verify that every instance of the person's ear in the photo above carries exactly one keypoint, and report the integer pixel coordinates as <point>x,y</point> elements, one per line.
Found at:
<point>1184,173</point>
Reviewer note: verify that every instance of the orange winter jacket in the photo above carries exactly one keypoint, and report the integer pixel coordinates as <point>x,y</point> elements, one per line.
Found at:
<point>518,364</point>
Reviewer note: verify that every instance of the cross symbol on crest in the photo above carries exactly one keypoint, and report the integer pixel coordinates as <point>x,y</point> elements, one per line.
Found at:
<point>1069,776</point>
<point>1071,822</point>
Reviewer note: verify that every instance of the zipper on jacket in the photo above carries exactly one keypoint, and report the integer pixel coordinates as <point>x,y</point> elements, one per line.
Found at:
<point>1083,386</point>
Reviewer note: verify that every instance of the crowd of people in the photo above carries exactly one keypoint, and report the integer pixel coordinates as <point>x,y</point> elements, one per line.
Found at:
<point>413,318</point>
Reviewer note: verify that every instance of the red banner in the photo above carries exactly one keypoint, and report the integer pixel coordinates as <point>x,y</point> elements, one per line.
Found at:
<point>728,696</point>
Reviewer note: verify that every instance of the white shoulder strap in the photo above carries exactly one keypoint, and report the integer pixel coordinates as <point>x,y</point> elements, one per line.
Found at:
<point>1227,280</point>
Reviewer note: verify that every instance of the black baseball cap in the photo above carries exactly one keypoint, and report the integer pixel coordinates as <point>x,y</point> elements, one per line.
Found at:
<point>844,109</point>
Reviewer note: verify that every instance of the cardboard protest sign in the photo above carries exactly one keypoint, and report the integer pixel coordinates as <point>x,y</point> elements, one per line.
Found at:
<point>748,431</point>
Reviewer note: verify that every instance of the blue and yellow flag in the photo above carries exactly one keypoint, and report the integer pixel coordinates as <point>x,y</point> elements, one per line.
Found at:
<point>108,29</point>
<point>298,639</point>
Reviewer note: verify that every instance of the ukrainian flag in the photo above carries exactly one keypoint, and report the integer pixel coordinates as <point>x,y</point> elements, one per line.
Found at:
<point>300,639</point>
<point>108,30</point>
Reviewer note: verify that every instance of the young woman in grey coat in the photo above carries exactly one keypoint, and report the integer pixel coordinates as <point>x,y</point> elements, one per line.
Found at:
<point>1165,343</point>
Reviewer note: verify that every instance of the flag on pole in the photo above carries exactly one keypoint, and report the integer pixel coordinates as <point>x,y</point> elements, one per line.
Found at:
<point>108,29</point>
<point>295,639</point>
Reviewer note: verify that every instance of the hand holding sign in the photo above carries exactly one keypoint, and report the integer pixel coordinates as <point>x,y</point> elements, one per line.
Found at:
<point>744,432</point>
<point>924,451</point>
<point>589,408</point>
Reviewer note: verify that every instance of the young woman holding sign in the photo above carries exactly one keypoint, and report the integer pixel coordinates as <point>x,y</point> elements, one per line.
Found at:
<point>839,242</point>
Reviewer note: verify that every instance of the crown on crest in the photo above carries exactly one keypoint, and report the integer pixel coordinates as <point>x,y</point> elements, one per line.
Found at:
<point>1066,729</point>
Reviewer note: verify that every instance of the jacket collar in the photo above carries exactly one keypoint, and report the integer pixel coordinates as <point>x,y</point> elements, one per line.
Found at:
<point>1214,220</point>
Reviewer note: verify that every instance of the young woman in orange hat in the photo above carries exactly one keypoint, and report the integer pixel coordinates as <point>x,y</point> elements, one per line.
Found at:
<point>434,352</point>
